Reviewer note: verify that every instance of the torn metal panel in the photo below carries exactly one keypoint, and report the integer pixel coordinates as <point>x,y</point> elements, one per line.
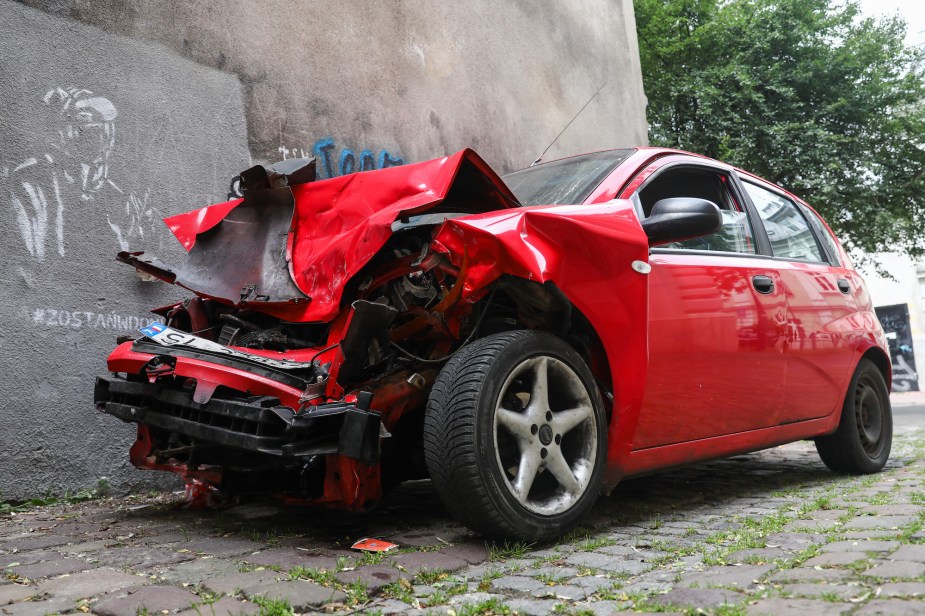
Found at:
<point>293,249</point>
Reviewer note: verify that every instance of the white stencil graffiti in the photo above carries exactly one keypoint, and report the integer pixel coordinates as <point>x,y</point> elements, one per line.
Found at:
<point>73,170</point>
<point>85,319</point>
<point>904,377</point>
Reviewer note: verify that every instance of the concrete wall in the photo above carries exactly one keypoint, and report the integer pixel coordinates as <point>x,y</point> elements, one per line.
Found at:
<point>116,113</point>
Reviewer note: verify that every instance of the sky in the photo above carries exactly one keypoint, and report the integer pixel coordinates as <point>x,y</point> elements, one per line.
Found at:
<point>913,11</point>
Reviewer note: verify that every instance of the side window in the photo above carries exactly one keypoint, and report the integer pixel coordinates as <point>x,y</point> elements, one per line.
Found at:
<point>790,234</point>
<point>736,233</point>
<point>823,234</point>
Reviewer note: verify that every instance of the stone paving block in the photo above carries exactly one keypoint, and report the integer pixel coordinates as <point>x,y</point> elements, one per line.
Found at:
<point>226,606</point>
<point>811,526</point>
<point>10,593</point>
<point>89,584</point>
<point>842,591</point>
<point>248,583</point>
<point>300,594</point>
<point>373,577</point>
<point>903,589</point>
<point>287,558</point>
<point>221,546</point>
<point>26,558</point>
<point>533,607</point>
<point>550,553</point>
<point>561,591</point>
<point>551,571</point>
<point>883,521</point>
<point>473,598</point>
<point>793,541</point>
<point>741,576</point>
<point>891,607</point>
<point>38,608</point>
<point>473,552</point>
<point>141,557</point>
<point>892,510</point>
<point>618,550</point>
<point>518,583</point>
<point>591,582</point>
<point>418,539</point>
<point>386,606</point>
<point>835,559</point>
<point>648,587</point>
<point>152,598</point>
<point>37,542</point>
<point>83,548</point>
<point>699,597</point>
<point>430,561</point>
<point>861,546</point>
<point>49,568</point>
<point>915,553</point>
<point>884,534</point>
<point>797,607</point>
<point>897,569</point>
<point>765,554</point>
<point>195,571</point>
<point>167,538</point>
<point>810,574</point>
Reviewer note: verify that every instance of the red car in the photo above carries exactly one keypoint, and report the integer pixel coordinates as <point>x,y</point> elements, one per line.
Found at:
<point>526,343</point>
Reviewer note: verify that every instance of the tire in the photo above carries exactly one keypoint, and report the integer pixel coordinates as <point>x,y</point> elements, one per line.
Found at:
<point>488,428</point>
<point>862,442</point>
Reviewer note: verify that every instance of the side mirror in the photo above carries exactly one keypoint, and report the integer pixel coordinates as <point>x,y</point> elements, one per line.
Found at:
<point>681,218</point>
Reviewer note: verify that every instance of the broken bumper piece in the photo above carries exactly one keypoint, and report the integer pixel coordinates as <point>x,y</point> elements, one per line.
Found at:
<point>256,424</point>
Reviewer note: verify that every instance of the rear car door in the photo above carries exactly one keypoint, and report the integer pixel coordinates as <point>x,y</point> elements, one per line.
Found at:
<point>717,317</point>
<point>820,304</point>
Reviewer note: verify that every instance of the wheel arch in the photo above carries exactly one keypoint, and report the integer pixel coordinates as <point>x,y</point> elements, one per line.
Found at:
<point>880,359</point>
<point>545,307</point>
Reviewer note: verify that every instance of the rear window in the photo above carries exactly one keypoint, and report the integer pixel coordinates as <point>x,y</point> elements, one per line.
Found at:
<point>564,182</point>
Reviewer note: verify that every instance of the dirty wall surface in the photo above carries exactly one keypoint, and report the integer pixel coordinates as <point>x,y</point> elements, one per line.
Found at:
<point>115,114</point>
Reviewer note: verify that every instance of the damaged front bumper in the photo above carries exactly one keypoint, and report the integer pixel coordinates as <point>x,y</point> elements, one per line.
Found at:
<point>258,424</point>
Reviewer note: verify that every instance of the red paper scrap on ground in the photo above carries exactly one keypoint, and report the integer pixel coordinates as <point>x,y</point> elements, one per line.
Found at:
<point>373,545</point>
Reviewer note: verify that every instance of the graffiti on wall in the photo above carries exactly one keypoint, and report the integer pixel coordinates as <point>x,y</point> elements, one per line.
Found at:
<point>70,174</point>
<point>87,319</point>
<point>895,322</point>
<point>332,162</point>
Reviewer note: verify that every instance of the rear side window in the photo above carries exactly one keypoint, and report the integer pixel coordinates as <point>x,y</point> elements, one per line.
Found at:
<point>823,234</point>
<point>790,234</point>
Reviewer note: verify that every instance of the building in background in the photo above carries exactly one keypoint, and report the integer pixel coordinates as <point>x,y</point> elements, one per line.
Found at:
<point>116,114</point>
<point>900,304</point>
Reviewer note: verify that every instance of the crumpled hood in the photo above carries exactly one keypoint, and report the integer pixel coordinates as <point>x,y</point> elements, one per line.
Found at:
<point>289,251</point>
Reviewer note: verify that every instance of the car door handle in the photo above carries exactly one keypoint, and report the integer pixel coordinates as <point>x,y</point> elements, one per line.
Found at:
<point>844,286</point>
<point>763,284</point>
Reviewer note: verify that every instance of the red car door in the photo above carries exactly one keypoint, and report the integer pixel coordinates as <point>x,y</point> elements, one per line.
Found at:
<point>819,300</point>
<point>717,319</point>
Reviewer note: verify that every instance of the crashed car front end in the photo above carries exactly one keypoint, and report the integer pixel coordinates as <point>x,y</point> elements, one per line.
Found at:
<point>320,315</point>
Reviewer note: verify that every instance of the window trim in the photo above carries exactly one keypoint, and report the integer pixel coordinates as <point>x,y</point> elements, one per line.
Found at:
<point>823,251</point>
<point>759,235</point>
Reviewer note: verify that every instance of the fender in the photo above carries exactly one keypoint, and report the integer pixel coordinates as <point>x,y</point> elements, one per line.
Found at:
<point>588,251</point>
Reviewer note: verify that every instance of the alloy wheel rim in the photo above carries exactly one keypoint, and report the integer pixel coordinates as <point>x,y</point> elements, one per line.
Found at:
<point>545,435</point>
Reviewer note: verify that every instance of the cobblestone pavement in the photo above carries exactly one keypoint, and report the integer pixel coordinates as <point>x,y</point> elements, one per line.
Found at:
<point>766,533</point>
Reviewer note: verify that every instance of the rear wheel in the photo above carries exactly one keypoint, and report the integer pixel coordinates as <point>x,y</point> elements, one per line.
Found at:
<point>862,442</point>
<point>515,436</point>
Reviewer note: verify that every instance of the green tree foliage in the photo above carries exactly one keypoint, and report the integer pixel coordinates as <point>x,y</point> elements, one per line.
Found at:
<point>805,93</point>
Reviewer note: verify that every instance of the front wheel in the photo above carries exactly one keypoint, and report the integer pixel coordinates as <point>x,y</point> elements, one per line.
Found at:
<point>515,436</point>
<point>862,442</point>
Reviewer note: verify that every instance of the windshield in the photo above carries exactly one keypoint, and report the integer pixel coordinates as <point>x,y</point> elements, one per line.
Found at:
<point>567,181</point>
